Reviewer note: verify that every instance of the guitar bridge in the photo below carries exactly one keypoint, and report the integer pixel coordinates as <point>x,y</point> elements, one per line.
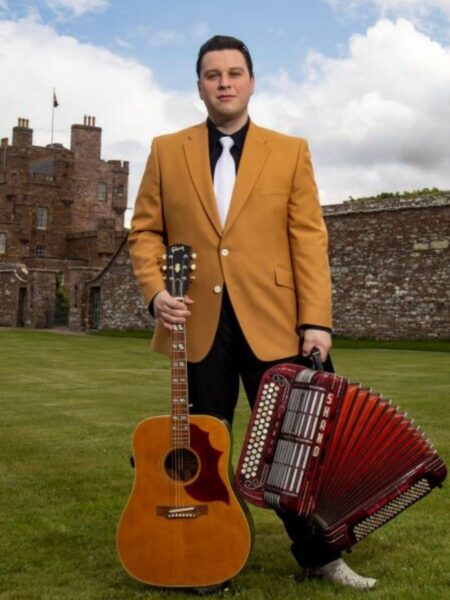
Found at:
<point>182,512</point>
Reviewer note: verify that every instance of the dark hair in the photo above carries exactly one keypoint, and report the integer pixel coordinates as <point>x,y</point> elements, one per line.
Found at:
<point>224,42</point>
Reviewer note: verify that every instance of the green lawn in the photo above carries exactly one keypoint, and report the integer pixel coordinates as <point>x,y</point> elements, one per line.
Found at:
<point>68,407</point>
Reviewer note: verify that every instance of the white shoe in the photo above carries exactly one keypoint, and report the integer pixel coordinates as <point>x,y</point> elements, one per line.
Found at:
<point>339,572</point>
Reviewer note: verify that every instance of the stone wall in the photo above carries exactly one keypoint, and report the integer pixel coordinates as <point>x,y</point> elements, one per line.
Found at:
<point>9,295</point>
<point>79,296</point>
<point>391,268</point>
<point>121,303</point>
<point>27,296</point>
<point>41,298</point>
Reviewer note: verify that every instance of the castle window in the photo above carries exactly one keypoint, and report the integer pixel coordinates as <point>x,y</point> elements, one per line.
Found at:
<point>40,251</point>
<point>41,217</point>
<point>2,243</point>
<point>101,191</point>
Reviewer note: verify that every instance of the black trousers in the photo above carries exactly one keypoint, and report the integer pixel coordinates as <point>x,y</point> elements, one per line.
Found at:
<point>214,389</point>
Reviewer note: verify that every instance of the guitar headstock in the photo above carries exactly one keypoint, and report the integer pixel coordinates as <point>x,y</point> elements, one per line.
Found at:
<point>177,269</point>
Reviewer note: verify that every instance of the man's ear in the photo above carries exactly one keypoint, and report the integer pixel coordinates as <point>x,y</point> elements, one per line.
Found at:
<point>199,89</point>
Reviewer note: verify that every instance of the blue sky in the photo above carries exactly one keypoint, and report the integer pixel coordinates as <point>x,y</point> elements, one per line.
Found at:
<point>166,34</point>
<point>366,81</point>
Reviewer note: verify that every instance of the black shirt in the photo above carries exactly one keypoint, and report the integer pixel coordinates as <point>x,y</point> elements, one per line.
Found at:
<point>215,147</point>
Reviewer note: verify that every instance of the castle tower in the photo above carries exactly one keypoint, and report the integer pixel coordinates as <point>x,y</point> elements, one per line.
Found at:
<point>86,140</point>
<point>100,186</point>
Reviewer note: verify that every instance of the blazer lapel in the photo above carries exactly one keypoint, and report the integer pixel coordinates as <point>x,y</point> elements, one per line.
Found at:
<point>254,156</point>
<point>196,150</point>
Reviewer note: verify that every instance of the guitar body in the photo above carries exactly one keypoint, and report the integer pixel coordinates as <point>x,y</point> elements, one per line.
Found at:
<point>183,525</point>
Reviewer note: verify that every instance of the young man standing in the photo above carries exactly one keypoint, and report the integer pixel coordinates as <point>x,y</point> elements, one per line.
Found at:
<point>245,199</point>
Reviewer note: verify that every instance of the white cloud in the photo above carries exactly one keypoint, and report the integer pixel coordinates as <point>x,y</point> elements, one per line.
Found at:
<point>165,37</point>
<point>405,8</point>
<point>78,7</point>
<point>200,31</point>
<point>122,43</point>
<point>377,120</point>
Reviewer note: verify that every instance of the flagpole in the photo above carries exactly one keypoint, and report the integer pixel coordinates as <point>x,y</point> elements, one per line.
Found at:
<point>53,114</point>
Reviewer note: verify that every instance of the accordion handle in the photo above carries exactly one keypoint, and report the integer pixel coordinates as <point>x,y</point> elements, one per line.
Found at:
<point>316,361</point>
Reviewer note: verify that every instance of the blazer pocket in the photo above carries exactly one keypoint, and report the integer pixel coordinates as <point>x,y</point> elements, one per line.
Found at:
<point>266,191</point>
<point>284,278</point>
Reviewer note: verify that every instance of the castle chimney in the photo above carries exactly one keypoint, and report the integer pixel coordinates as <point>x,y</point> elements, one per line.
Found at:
<point>4,142</point>
<point>22,134</point>
<point>89,121</point>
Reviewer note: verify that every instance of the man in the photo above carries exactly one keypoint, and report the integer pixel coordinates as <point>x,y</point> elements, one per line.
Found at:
<point>245,199</point>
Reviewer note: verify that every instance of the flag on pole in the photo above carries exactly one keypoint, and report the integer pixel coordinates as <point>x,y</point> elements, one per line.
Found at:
<point>55,104</point>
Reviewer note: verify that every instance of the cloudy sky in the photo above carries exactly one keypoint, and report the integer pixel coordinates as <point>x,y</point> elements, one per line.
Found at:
<point>366,81</point>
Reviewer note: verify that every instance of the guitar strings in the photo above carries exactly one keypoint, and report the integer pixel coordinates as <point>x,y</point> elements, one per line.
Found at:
<point>180,432</point>
<point>180,409</point>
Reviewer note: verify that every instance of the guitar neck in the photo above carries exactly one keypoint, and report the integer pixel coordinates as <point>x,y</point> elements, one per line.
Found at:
<point>180,399</point>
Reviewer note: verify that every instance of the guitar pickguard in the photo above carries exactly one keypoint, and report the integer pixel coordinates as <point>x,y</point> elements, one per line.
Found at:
<point>208,486</point>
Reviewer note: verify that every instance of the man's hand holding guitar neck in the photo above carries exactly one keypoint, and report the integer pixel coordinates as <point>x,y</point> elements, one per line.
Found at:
<point>169,310</point>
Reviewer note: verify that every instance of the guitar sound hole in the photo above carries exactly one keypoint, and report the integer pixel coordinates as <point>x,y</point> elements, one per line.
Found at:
<point>181,464</point>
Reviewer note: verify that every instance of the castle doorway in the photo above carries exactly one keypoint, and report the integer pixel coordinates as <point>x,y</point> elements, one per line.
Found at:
<point>22,308</point>
<point>95,299</point>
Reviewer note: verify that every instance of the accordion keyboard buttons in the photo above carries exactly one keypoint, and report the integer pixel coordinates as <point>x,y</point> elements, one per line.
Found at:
<point>260,430</point>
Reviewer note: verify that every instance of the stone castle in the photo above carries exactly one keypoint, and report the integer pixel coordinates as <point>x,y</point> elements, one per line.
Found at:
<point>61,221</point>
<point>62,232</point>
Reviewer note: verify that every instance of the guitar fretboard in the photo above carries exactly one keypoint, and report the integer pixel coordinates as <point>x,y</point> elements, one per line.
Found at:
<point>180,400</point>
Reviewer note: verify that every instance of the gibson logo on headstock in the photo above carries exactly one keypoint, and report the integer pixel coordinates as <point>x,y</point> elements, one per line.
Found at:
<point>177,266</point>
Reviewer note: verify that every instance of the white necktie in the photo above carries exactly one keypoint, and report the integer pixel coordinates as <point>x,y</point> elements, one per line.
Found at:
<point>224,178</point>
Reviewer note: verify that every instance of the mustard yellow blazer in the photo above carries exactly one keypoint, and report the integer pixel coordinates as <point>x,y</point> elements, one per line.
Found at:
<point>271,253</point>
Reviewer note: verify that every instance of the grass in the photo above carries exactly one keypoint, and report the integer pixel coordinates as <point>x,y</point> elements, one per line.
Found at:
<point>68,407</point>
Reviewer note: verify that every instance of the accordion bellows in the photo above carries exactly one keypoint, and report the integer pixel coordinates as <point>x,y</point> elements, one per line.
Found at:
<point>321,447</point>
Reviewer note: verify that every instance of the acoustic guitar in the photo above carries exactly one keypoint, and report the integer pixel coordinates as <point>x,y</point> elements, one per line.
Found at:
<point>183,525</point>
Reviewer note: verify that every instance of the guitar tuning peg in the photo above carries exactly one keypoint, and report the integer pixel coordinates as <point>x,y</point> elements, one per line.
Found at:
<point>164,267</point>
<point>164,256</point>
<point>194,255</point>
<point>164,278</point>
<point>193,267</point>
<point>192,277</point>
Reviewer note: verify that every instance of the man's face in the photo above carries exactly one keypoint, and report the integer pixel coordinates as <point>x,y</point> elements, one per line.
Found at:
<point>225,85</point>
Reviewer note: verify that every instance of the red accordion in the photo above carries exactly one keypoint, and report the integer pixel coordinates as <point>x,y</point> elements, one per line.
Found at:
<point>324,448</point>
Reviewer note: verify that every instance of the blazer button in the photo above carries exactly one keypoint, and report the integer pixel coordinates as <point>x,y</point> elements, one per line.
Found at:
<point>217,289</point>
<point>225,252</point>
